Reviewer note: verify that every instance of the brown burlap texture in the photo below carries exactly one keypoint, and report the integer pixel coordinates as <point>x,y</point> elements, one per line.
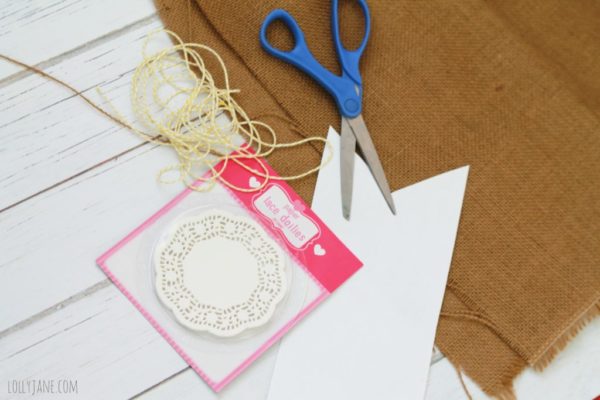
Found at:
<point>510,87</point>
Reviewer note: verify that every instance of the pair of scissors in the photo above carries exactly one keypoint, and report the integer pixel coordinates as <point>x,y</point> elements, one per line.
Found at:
<point>345,89</point>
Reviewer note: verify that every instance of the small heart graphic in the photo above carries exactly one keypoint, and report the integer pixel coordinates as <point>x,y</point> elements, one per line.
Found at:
<point>253,182</point>
<point>319,250</point>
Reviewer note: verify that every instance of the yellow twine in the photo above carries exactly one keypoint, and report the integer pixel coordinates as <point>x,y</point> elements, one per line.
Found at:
<point>176,99</point>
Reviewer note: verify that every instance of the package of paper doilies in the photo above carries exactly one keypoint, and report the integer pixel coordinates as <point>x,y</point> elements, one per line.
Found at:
<point>224,273</point>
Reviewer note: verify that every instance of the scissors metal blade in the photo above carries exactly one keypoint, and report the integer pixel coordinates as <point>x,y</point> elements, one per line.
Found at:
<point>368,148</point>
<point>347,149</point>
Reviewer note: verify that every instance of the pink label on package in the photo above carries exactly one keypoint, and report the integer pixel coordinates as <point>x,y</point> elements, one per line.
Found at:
<point>287,216</point>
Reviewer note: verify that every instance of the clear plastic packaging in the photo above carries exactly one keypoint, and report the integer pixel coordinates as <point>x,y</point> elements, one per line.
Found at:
<point>205,270</point>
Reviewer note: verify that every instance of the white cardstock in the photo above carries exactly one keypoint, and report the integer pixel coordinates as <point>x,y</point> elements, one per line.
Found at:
<point>379,325</point>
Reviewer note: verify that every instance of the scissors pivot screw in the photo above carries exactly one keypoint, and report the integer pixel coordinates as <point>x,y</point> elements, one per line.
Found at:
<point>352,105</point>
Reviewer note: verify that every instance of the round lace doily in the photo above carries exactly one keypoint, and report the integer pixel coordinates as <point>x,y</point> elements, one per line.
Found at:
<point>220,272</point>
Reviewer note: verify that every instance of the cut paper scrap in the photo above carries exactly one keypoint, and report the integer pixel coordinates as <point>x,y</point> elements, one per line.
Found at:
<point>374,338</point>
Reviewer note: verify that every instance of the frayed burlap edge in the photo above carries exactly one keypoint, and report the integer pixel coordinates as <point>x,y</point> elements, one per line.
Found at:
<point>505,389</point>
<point>548,355</point>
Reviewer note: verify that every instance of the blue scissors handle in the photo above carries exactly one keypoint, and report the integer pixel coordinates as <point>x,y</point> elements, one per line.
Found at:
<point>345,89</point>
<point>350,59</point>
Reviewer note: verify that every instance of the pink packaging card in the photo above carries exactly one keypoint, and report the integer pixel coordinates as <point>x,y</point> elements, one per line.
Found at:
<point>318,264</point>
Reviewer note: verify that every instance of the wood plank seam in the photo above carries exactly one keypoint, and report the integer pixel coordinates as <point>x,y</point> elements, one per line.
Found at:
<point>10,79</point>
<point>157,384</point>
<point>74,176</point>
<point>54,308</point>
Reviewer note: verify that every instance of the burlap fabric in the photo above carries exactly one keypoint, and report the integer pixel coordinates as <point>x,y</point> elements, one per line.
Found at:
<point>510,87</point>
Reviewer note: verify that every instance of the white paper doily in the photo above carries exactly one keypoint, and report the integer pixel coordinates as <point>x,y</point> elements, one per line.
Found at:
<point>220,272</point>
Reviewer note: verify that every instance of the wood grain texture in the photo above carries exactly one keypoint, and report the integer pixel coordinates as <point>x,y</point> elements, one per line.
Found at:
<point>38,31</point>
<point>48,135</point>
<point>52,240</point>
<point>102,342</point>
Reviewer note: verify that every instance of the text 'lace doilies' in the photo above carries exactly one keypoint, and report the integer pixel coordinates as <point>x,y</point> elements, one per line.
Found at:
<point>220,273</point>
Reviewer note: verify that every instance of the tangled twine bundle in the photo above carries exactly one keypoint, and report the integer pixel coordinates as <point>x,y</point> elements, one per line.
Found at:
<point>175,97</point>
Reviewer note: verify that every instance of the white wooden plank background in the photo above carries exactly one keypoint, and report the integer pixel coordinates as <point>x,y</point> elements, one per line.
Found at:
<point>72,183</point>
